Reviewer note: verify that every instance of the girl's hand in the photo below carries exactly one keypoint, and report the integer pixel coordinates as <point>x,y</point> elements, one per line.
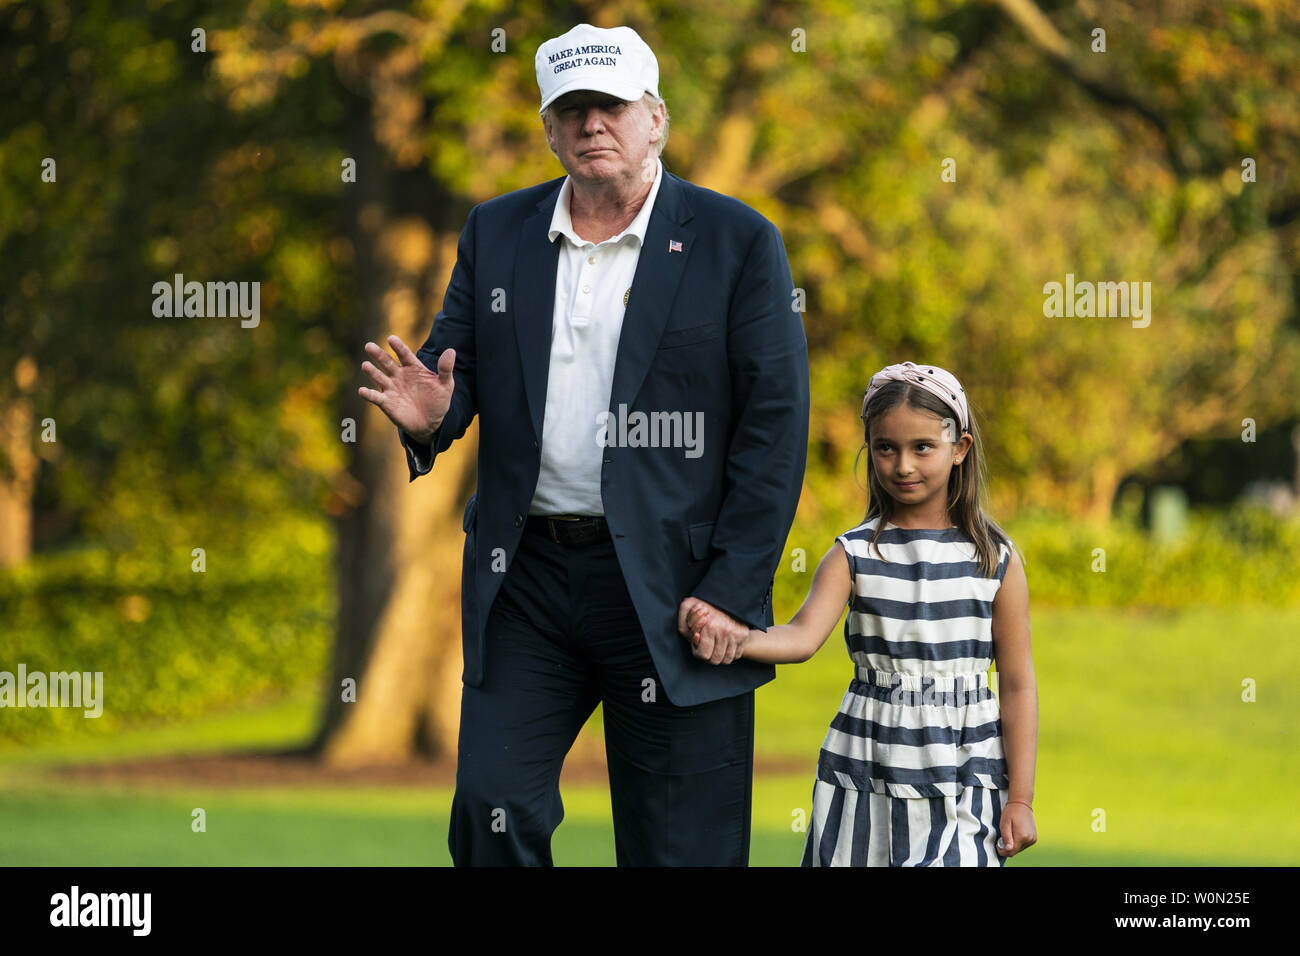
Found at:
<point>1017,829</point>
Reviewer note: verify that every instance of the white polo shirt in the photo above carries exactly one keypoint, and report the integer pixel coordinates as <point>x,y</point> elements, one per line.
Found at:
<point>592,282</point>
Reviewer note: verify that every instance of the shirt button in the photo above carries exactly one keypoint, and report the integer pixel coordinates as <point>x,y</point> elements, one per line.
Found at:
<point>591,259</point>
<point>519,521</point>
<point>586,288</point>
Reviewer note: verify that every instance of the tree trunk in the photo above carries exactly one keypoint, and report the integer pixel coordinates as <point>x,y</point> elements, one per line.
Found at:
<point>399,543</point>
<point>17,469</point>
<point>1105,479</point>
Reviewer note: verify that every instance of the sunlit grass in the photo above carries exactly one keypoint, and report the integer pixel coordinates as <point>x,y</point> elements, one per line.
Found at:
<point>1142,726</point>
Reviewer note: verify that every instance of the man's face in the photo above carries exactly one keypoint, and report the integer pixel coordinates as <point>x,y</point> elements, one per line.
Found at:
<point>600,138</point>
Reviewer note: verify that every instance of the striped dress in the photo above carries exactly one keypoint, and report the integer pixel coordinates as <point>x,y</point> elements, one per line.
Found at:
<point>912,771</point>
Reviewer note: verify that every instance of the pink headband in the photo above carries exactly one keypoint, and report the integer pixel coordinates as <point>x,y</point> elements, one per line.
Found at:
<point>933,379</point>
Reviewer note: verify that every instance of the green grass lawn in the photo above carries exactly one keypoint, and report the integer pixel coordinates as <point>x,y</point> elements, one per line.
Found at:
<point>1141,721</point>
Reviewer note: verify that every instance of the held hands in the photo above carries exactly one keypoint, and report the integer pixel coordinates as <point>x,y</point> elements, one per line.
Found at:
<point>715,635</point>
<point>1017,830</point>
<point>413,397</point>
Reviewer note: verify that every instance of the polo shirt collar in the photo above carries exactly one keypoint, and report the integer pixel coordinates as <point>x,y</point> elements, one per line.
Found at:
<point>562,224</point>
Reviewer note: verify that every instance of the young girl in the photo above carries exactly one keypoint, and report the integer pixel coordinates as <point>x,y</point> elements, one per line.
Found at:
<point>919,767</point>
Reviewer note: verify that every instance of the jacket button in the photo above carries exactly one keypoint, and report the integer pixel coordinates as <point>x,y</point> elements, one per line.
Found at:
<point>519,521</point>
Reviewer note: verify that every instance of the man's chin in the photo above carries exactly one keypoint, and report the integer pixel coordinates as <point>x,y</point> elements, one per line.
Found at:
<point>596,170</point>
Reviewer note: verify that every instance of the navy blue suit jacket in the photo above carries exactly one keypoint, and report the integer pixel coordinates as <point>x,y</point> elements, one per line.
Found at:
<point>709,328</point>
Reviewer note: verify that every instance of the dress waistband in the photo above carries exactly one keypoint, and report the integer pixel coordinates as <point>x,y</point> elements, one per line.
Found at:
<point>956,682</point>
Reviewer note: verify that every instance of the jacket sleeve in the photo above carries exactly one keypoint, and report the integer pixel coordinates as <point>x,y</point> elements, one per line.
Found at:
<point>453,327</point>
<point>768,357</point>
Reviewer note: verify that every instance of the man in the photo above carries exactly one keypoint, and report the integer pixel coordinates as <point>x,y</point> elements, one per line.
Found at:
<point>629,343</point>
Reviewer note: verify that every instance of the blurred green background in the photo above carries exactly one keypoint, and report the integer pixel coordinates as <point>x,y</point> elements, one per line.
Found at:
<point>931,165</point>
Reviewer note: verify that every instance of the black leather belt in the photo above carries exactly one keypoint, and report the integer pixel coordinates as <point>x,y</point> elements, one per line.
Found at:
<point>572,531</point>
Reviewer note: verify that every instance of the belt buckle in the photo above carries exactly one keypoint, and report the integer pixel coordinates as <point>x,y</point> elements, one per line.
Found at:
<point>550,525</point>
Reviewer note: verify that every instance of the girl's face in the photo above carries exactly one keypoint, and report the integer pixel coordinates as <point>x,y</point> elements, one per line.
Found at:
<point>913,453</point>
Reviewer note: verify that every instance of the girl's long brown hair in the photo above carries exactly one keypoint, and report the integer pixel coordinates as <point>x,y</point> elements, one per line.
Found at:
<point>966,481</point>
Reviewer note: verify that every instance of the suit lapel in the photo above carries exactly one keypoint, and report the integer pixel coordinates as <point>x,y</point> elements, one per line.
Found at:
<point>535,268</point>
<point>658,273</point>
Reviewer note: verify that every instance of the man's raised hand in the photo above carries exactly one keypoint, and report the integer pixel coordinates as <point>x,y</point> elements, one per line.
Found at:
<point>413,397</point>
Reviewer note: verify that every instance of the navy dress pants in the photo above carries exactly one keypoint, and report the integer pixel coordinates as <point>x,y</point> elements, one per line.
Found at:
<point>563,636</point>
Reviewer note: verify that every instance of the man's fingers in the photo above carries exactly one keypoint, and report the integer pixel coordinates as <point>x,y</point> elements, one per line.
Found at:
<point>710,640</point>
<point>376,376</point>
<point>682,610</point>
<point>736,647</point>
<point>382,358</point>
<point>400,349</point>
<point>719,649</point>
<point>370,395</point>
<point>446,362</point>
<point>738,643</point>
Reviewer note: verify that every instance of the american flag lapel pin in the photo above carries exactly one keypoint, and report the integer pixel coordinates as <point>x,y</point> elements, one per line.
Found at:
<point>674,245</point>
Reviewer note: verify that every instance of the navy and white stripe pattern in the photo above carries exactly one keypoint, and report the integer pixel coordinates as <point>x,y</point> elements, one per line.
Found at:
<point>864,828</point>
<point>912,771</point>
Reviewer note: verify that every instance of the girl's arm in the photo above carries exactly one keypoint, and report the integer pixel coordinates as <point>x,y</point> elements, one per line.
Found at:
<point>807,631</point>
<point>1017,688</point>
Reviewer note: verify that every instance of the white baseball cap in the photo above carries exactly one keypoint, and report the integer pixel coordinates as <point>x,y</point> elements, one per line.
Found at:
<point>614,61</point>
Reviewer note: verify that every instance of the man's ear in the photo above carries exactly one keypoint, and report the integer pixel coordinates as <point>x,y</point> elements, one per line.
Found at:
<point>657,123</point>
